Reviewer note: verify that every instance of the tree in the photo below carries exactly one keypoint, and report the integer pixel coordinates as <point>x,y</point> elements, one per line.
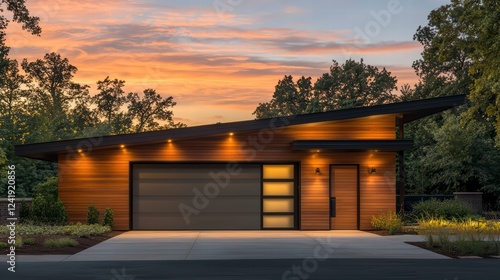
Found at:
<point>289,98</point>
<point>151,107</point>
<point>353,84</point>
<point>20,14</point>
<point>461,45</point>
<point>55,87</point>
<point>463,158</point>
<point>110,98</point>
<point>13,101</point>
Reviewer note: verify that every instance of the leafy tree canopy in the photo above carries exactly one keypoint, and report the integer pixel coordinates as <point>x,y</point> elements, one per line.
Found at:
<point>352,84</point>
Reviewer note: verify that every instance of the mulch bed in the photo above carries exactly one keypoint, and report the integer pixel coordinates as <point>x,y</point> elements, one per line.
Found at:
<point>439,250</point>
<point>39,249</point>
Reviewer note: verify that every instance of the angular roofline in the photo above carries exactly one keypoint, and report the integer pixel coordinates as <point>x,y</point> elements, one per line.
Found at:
<point>409,111</point>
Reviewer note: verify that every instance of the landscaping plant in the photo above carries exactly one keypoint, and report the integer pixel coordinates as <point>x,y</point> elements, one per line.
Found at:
<point>108,218</point>
<point>446,209</point>
<point>60,242</point>
<point>92,215</point>
<point>389,221</point>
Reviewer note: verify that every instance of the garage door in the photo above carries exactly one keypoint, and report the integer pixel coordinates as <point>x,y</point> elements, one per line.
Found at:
<point>196,196</point>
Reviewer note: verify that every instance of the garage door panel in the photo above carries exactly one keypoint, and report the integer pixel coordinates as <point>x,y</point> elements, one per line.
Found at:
<point>187,187</point>
<point>200,171</point>
<point>162,203</point>
<point>159,189</point>
<point>213,221</point>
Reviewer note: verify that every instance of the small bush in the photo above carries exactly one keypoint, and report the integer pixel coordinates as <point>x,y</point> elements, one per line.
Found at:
<point>30,241</point>
<point>3,245</point>
<point>25,211</point>
<point>60,242</point>
<point>92,215</point>
<point>46,208</point>
<point>447,209</point>
<point>389,221</point>
<point>47,189</point>
<point>108,218</point>
<point>19,242</point>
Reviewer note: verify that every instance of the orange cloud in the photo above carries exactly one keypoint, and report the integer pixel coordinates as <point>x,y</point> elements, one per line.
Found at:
<point>211,64</point>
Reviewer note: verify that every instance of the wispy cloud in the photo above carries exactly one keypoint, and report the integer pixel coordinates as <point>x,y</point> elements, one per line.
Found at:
<point>192,52</point>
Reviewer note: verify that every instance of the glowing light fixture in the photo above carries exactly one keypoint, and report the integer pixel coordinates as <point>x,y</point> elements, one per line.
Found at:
<point>231,133</point>
<point>169,140</point>
<point>122,146</point>
<point>80,150</point>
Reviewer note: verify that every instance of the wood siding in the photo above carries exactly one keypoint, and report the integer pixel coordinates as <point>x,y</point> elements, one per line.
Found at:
<point>101,176</point>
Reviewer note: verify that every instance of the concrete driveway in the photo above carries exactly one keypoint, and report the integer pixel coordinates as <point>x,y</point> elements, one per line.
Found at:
<point>230,245</point>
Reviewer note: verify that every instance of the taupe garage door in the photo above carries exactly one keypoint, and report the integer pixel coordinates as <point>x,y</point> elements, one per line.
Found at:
<point>196,196</point>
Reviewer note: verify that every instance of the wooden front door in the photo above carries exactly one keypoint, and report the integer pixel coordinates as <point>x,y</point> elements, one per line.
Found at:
<point>344,196</point>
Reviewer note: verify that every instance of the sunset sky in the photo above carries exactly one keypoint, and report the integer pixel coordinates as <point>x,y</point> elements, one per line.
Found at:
<point>220,58</point>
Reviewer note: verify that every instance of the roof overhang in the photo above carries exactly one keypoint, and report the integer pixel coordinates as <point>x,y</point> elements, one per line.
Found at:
<point>405,111</point>
<point>353,145</point>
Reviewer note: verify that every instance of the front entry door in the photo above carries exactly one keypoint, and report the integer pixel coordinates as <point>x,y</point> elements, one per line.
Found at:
<point>344,197</point>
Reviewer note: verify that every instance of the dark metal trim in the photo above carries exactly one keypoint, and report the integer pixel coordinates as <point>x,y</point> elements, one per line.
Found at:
<point>353,145</point>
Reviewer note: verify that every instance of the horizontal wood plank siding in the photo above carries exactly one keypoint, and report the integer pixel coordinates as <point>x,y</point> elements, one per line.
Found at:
<point>102,176</point>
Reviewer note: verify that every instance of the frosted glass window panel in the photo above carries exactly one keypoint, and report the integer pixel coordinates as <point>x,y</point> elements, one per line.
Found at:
<point>279,221</point>
<point>273,205</point>
<point>278,188</point>
<point>278,171</point>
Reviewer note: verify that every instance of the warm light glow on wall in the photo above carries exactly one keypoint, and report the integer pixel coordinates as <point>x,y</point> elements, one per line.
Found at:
<point>231,133</point>
<point>169,141</point>
<point>122,146</point>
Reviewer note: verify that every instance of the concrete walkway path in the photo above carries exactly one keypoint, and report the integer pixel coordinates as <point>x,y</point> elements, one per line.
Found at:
<point>232,245</point>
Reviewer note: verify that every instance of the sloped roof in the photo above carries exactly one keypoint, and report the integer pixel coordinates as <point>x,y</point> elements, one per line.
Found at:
<point>408,111</point>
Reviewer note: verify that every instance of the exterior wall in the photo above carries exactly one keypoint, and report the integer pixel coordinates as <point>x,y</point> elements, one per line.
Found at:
<point>102,176</point>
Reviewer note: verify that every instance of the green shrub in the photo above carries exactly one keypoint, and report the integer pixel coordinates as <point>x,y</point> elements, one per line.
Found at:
<point>3,245</point>
<point>447,209</point>
<point>45,211</point>
<point>19,242</point>
<point>25,211</point>
<point>47,189</point>
<point>389,221</point>
<point>30,241</point>
<point>60,242</point>
<point>92,215</point>
<point>108,218</point>
<point>46,208</point>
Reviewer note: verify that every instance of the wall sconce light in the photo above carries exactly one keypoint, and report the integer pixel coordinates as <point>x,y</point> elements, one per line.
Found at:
<point>317,171</point>
<point>122,146</point>
<point>372,170</point>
